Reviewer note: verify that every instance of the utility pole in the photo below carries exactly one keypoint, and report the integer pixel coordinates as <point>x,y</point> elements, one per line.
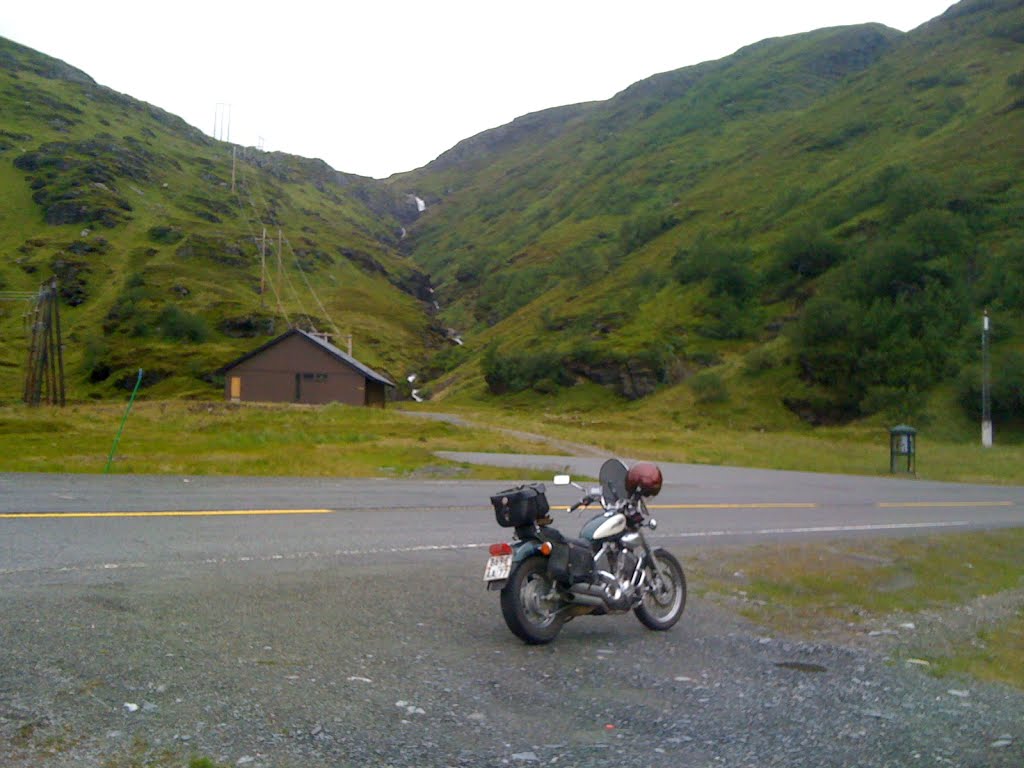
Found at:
<point>280,248</point>
<point>222,131</point>
<point>986,393</point>
<point>44,370</point>
<point>263,266</point>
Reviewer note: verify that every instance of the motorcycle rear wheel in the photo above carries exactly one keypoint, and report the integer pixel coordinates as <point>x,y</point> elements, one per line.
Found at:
<point>664,597</point>
<point>530,604</point>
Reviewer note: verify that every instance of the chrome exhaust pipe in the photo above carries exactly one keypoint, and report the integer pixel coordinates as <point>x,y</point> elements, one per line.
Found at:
<point>589,593</point>
<point>595,601</point>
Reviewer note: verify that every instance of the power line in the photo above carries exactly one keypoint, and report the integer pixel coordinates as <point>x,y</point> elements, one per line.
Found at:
<point>252,190</point>
<point>281,273</point>
<point>316,298</point>
<point>273,288</point>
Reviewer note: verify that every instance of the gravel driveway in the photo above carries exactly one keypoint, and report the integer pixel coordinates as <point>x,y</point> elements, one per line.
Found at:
<point>403,660</point>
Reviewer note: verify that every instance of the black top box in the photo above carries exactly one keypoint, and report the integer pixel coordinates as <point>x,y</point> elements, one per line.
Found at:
<point>520,506</point>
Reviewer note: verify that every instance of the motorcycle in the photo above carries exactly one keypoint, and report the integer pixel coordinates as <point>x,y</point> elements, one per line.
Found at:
<point>547,579</point>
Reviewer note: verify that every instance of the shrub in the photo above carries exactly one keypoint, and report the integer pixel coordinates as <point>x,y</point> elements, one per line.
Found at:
<point>808,252</point>
<point>759,359</point>
<point>515,372</point>
<point>178,325</point>
<point>1007,388</point>
<point>165,235</point>
<point>95,365</point>
<point>637,232</point>
<point>709,387</point>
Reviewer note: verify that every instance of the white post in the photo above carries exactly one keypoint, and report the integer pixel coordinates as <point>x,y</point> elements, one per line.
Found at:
<point>986,394</point>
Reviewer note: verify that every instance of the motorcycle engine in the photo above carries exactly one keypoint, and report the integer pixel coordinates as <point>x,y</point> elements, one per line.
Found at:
<point>626,566</point>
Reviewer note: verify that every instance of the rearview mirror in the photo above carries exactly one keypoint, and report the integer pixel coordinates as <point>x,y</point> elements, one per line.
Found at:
<point>562,480</point>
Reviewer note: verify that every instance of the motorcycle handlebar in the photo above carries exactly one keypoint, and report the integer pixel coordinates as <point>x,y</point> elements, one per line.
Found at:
<point>586,501</point>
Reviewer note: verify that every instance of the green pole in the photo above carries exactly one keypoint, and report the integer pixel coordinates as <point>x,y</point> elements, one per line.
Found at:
<point>117,439</point>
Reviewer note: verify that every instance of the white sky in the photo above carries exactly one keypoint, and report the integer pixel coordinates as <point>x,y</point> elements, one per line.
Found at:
<point>380,86</point>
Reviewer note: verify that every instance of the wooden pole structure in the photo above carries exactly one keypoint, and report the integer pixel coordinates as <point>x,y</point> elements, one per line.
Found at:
<point>44,369</point>
<point>60,348</point>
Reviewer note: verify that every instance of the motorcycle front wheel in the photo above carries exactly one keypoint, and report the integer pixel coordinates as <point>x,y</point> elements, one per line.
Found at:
<point>530,603</point>
<point>665,592</point>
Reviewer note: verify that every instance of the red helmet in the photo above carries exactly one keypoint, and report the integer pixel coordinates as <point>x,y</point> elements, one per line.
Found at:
<point>646,477</point>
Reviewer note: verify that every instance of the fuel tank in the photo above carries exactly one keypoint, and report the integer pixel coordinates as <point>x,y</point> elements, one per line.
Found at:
<point>607,525</point>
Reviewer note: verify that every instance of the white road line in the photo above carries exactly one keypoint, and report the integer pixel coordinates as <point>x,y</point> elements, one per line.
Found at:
<point>823,529</point>
<point>452,547</point>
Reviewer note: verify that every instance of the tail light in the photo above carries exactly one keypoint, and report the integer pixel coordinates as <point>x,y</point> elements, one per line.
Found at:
<point>500,549</point>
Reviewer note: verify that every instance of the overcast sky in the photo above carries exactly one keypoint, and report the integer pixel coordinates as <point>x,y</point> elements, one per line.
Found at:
<point>380,86</point>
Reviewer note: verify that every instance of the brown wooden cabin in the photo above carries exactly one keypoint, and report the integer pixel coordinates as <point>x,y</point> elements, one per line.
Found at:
<point>300,367</point>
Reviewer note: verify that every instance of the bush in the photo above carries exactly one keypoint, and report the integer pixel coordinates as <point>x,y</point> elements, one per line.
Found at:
<point>809,252</point>
<point>178,325</point>
<point>732,286</point>
<point>515,372</point>
<point>1006,390</point>
<point>95,365</point>
<point>637,232</point>
<point>165,235</point>
<point>1003,282</point>
<point>759,359</point>
<point>709,387</point>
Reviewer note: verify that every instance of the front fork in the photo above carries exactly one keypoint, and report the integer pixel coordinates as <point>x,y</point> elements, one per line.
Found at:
<point>645,559</point>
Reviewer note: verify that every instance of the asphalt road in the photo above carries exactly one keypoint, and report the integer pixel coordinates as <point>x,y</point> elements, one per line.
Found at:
<point>79,521</point>
<point>287,622</point>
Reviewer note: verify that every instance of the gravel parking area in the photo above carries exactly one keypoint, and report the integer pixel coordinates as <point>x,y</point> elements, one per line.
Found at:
<point>404,660</point>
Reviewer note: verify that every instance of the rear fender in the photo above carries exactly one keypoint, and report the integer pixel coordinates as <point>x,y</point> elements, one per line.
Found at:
<point>523,549</point>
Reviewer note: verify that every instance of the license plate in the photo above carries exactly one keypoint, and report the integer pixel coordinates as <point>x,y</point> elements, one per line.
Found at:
<point>498,567</point>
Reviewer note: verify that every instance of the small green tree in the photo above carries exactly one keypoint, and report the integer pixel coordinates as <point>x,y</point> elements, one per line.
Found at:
<point>178,325</point>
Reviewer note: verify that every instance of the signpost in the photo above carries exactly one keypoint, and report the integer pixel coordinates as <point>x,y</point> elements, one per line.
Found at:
<point>986,394</point>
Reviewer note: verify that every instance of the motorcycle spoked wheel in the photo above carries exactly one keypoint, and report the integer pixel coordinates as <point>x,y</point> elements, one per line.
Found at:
<point>664,597</point>
<point>529,605</point>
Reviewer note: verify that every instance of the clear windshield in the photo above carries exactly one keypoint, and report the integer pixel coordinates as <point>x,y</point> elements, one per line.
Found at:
<point>613,480</point>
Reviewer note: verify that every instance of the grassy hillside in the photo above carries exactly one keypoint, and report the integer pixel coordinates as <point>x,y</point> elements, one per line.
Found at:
<point>803,233</point>
<point>155,234</point>
<point>806,230</point>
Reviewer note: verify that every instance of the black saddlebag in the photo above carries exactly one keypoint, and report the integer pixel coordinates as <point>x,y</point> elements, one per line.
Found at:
<point>571,561</point>
<point>520,506</point>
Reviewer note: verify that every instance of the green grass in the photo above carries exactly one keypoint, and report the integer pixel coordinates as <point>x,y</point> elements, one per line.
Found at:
<point>669,430</point>
<point>993,654</point>
<point>814,589</point>
<point>216,438</point>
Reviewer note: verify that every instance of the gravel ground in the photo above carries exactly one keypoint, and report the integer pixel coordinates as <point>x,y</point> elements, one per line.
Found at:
<point>359,662</point>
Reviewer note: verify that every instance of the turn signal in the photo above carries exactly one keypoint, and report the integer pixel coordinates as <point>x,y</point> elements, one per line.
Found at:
<point>545,548</point>
<point>500,549</point>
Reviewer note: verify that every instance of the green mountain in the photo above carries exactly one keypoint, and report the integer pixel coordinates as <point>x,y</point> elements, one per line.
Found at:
<point>808,229</point>
<point>816,221</point>
<point>155,233</point>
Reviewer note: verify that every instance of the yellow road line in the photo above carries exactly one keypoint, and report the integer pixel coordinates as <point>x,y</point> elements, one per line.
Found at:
<point>191,513</point>
<point>891,504</point>
<point>767,505</point>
